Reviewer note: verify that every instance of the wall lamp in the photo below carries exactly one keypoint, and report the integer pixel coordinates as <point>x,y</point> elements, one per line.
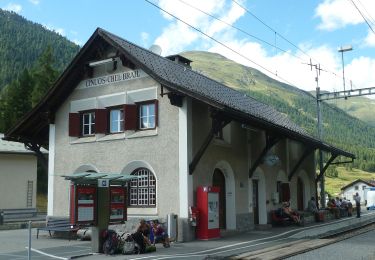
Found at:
<point>101,62</point>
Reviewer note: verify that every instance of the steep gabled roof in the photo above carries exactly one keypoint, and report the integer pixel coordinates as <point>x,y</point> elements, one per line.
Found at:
<point>370,183</point>
<point>174,76</point>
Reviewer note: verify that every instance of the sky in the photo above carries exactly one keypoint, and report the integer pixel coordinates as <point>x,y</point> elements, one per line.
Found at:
<point>276,37</point>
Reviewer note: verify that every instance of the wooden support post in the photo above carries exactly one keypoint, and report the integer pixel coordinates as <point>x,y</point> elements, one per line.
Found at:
<point>328,163</point>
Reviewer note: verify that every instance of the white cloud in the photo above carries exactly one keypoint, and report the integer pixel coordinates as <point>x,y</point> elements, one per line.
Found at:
<point>335,14</point>
<point>78,42</point>
<point>17,8</point>
<point>370,39</point>
<point>34,2</point>
<point>177,35</point>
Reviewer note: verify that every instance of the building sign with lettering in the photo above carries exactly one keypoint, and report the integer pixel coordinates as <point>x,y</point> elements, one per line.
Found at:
<point>113,78</point>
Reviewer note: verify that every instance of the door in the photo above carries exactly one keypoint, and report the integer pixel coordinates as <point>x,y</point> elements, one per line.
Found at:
<point>256,202</point>
<point>300,194</point>
<point>218,180</point>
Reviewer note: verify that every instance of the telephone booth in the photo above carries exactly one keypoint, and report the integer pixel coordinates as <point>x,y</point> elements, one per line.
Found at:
<point>208,208</point>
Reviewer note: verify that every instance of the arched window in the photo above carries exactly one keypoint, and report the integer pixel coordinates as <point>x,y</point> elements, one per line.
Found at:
<point>143,190</point>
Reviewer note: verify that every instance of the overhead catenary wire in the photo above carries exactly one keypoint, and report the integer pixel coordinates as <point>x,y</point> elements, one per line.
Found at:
<point>364,18</point>
<point>242,30</point>
<point>222,44</point>
<point>368,14</point>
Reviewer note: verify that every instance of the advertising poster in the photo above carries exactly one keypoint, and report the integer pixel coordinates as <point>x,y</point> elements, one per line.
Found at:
<point>213,210</point>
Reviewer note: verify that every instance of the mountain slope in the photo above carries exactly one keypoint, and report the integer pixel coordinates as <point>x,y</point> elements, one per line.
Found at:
<point>22,42</point>
<point>340,129</point>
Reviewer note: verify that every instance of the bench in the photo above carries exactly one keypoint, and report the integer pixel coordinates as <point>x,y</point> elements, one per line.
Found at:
<point>279,219</point>
<point>58,225</point>
<point>14,215</point>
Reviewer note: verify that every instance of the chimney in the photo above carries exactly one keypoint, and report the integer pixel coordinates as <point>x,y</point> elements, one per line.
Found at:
<point>180,59</point>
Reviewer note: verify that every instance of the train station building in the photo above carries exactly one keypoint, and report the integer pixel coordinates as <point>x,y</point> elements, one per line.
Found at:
<point>123,109</point>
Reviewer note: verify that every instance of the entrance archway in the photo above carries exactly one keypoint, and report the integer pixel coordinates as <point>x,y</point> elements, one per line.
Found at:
<point>230,202</point>
<point>218,180</point>
<point>259,181</point>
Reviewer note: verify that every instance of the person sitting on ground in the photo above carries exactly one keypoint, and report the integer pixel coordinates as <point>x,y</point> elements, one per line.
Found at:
<point>333,208</point>
<point>293,215</point>
<point>159,234</point>
<point>144,228</point>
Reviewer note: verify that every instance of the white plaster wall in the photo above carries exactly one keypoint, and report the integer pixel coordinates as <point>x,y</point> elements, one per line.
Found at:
<point>349,192</point>
<point>15,171</point>
<point>112,153</point>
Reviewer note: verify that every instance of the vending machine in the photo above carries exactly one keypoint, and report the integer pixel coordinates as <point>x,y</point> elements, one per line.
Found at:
<point>117,206</point>
<point>83,205</point>
<point>208,208</point>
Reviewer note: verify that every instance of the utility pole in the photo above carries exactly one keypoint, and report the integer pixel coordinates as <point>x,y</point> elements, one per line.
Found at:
<point>343,49</point>
<point>320,131</point>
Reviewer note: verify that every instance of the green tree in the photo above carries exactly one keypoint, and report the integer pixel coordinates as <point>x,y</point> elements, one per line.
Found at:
<point>44,75</point>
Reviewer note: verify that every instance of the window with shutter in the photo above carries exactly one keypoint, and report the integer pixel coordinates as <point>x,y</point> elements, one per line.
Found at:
<point>116,120</point>
<point>148,114</point>
<point>74,126</point>
<point>88,123</point>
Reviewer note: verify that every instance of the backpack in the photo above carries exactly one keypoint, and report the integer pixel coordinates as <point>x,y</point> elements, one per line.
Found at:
<point>129,245</point>
<point>110,243</point>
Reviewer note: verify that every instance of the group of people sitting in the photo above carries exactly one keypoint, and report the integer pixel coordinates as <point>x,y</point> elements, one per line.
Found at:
<point>142,234</point>
<point>336,206</point>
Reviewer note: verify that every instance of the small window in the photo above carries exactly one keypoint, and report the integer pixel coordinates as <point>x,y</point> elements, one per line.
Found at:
<point>88,123</point>
<point>116,120</point>
<point>147,116</point>
<point>363,187</point>
<point>356,187</point>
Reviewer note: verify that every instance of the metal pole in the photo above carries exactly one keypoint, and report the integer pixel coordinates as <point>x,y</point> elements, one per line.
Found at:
<point>343,69</point>
<point>320,135</point>
<point>29,247</point>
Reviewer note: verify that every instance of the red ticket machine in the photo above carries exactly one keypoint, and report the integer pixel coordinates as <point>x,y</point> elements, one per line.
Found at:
<point>208,207</point>
<point>82,205</point>
<point>117,206</point>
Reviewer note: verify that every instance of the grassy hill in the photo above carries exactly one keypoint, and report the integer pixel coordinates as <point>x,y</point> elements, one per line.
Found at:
<point>341,129</point>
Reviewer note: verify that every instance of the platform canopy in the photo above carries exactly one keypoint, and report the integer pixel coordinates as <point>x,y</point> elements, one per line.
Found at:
<point>93,177</point>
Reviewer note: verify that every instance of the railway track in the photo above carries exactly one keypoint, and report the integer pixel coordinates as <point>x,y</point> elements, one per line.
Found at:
<point>293,248</point>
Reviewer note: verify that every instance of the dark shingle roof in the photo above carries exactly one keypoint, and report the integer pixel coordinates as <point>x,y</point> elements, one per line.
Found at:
<point>186,80</point>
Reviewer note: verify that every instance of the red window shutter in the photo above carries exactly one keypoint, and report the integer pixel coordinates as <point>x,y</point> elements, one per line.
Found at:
<point>74,126</point>
<point>156,112</point>
<point>101,121</point>
<point>285,190</point>
<point>130,117</point>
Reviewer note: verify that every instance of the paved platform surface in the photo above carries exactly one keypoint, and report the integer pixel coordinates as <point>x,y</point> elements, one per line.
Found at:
<point>13,243</point>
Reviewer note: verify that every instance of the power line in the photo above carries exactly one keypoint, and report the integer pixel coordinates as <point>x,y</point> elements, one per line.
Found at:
<point>220,43</point>
<point>364,18</point>
<point>269,27</point>
<point>241,30</point>
<point>368,14</point>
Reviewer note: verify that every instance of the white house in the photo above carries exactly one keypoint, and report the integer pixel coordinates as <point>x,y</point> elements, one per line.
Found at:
<point>121,108</point>
<point>18,176</point>
<point>352,188</point>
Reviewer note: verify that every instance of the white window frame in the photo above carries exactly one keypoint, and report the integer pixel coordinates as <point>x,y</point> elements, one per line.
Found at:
<point>147,116</point>
<point>90,123</point>
<point>119,120</point>
<point>142,191</point>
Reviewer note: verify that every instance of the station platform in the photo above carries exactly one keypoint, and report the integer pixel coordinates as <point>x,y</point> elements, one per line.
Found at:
<point>232,245</point>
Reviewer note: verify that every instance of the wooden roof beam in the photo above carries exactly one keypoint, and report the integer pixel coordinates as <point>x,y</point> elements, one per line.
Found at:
<point>328,163</point>
<point>305,154</point>
<point>270,142</point>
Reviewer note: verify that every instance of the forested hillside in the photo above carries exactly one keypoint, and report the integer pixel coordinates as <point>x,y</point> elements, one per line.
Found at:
<point>340,129</point>
<point>22,42</point>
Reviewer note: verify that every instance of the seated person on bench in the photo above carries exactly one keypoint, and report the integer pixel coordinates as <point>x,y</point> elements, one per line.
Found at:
<point>293,215</point>
<point>159,234</point>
